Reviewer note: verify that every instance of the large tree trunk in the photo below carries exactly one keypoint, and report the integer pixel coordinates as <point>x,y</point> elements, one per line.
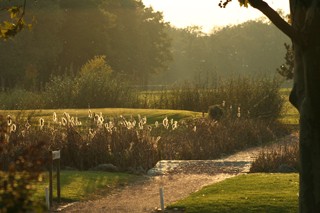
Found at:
<point>305,96</point>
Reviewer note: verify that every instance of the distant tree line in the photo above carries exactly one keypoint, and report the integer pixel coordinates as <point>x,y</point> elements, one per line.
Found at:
<point>231,51</point>
<point>139,46</point>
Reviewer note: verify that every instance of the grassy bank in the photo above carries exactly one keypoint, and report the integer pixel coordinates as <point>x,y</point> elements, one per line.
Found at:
<point>78,185</point>
<point>246,193</point>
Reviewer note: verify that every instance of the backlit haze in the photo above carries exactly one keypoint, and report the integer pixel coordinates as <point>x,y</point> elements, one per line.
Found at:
<point>207,13</point>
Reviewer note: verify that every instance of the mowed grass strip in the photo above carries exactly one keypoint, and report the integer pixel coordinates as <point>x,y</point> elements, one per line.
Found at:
<point>289,114</point>
<point>82,185</point>
<point>82,114</point>
<point>246,193</point>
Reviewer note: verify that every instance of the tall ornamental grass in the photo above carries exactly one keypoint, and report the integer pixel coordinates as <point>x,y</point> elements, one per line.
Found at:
<point>131,143</point>
<point>260,98</point>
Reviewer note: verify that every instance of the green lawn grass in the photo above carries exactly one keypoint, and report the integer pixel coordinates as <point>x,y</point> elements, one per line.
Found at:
<point>81,185</point>
<point>246,193</point>
<point>82,114</point>
<point>289,114</point>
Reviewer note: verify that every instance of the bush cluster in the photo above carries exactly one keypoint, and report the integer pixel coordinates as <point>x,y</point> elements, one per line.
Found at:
<point>95,86</point>
<point>256,98</point>
<point>21,165</point>
<point>20,99</point>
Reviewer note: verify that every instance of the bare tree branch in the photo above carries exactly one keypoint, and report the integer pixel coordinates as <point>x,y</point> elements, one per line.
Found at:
<point>277,20</point>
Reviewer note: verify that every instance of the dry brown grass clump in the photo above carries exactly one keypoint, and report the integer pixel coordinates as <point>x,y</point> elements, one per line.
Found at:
<point>209,139</point>
<point>282,158</point>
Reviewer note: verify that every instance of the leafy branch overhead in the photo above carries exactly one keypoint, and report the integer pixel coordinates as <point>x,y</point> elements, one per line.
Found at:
<point>13,21</point>
<point>224,3</point>
<point>286,69</point>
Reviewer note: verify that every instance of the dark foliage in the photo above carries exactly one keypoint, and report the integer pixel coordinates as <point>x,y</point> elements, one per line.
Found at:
<point>21,164</point>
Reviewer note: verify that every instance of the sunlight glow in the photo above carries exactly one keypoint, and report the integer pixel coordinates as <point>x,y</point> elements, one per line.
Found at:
<point>207,13</point>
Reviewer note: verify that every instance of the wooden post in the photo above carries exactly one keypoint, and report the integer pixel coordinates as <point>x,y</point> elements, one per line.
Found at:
<point>46,190</point>
<point>54,155</point>
<point>50,179</point>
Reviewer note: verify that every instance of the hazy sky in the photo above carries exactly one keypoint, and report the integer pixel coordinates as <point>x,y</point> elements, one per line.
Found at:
<point>207,13</point>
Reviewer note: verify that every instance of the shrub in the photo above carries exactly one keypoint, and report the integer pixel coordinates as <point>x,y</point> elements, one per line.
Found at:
<point>21,167</point>
<point>95,86</point>
<point>18,99</point>
<point>59,92</point>
<point>282,158</point>
<point>215,112</point>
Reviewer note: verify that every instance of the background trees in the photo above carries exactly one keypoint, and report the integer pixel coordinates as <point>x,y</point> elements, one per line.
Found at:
<point>28,58</point>
<point>66,34</point>
<point>137,43</point>
<point>228,52</point>
<point>83,34</point>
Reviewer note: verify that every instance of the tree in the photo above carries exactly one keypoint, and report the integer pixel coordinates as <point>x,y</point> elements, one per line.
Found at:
<point>83,33</point>
<point>130,35</point>
<point>140,45</point>
<point>28,58</point>
<point>304,32</point>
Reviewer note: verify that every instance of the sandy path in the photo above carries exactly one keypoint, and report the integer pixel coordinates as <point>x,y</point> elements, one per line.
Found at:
<point>178,178</point>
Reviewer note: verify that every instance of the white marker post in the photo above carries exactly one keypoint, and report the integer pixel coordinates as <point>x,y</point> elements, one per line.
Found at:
<point>161,199</point>
<point>46,190</point>
<point>161,190</point>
